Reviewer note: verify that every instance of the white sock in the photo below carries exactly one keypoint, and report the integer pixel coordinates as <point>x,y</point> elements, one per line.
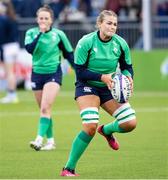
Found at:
<point>39,139</point>
<point>12,95</point>
<point>50,141</point>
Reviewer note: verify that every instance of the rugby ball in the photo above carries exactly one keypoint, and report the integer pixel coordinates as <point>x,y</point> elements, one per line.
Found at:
<point>121,90</point>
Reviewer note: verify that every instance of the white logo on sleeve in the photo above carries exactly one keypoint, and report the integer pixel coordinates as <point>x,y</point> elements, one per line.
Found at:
<point>115,44</point>
<point>79,46</point>
<point>53,36</point>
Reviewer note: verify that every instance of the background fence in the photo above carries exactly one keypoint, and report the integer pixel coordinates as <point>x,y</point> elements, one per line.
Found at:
<point>131,31</point>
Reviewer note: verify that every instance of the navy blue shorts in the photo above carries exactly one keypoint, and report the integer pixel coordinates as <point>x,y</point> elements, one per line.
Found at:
<point>83,89</point>
<point>39,80</point>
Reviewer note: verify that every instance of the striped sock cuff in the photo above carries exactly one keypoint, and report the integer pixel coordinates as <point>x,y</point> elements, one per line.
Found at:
<point>90,115</point>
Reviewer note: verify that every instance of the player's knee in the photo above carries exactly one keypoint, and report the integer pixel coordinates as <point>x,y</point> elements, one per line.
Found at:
<point>90,119</point>
<point>126,117</point>
<point>130,125</point>
<point>91,129</point>
<point>45,110</point>
<point>133,124</point>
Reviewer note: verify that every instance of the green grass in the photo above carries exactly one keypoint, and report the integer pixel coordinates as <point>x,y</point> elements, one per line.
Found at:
<point>143,153</point>
<point>147,70</point>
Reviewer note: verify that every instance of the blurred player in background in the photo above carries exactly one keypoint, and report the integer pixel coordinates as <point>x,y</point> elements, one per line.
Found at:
<point>3,25</point>
<point>46,44</point>
<point>10,49</point>
<point>96,58</point>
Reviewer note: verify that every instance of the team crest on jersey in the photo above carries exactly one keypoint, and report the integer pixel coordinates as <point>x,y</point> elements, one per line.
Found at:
<point>95,49</point>
<point>87,89</point>
<point>53,36</point>
<point>115,49</point>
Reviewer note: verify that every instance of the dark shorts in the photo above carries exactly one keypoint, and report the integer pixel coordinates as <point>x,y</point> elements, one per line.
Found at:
<point>39,80</point>
<point>83,89</point>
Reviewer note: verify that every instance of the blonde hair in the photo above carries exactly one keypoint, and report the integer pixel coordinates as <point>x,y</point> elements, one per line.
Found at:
<point>46,8</point>
<point>102,15</point>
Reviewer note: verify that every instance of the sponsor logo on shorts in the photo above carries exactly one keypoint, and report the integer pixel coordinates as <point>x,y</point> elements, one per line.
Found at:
<point>87,89</point>
<point>33,84</point>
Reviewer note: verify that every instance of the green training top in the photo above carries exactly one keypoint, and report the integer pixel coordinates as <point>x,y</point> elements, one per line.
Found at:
<point>102,57</point>
<point>47,55</point>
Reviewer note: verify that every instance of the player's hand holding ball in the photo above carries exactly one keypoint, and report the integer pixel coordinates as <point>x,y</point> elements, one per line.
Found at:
<point>123,87</point>
<point>107,79</point>
<point>131,83</point>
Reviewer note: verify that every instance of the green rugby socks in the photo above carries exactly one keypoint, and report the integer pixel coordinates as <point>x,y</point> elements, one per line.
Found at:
<point>44,124</point>
<point>79,145</point>
<point>49,132</point>
<point>110,128</point>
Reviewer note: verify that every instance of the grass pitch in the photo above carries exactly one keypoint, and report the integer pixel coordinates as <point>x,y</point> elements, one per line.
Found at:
<point>143,153</point>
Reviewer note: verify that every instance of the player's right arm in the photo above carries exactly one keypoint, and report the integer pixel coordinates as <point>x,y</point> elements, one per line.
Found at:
<point>30,43</point>
<point>82,53</point>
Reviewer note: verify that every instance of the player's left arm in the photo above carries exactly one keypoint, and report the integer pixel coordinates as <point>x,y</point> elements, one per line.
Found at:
<point>66,48</point>
<point>126,63</point>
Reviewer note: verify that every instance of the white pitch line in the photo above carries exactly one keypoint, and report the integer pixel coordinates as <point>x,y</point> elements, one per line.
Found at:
<point>152,109</point>
<point>70,94</point>
<point>66,113</point>
<point>136,94</point>
<point>151,94</point>
<point>73,112</point>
